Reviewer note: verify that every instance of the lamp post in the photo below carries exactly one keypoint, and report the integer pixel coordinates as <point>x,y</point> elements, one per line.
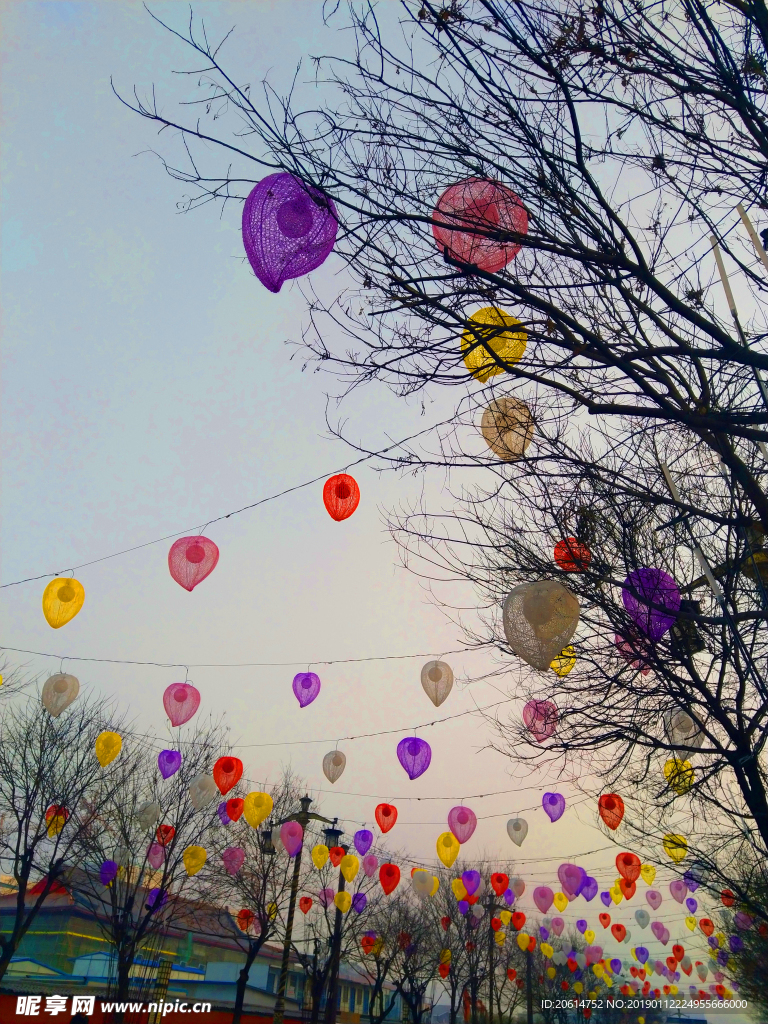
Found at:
<point>303,817</point>
<point>332,837</point>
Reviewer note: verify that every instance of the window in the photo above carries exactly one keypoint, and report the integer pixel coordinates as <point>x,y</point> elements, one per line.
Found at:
<point>351,998</point>
<point>272,980</point>
<point>366,1000</point>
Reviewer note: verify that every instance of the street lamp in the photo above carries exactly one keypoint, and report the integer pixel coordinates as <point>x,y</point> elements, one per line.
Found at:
<point>332,837</point>
<point>303,817</point>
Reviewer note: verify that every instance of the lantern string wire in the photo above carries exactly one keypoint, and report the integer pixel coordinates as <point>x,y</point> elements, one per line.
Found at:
<point>237,512</point>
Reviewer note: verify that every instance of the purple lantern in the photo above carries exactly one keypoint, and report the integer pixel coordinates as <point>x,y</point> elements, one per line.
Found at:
<point>359,902</point>
<point>581,925</point>
<point>606,899</point>
<point>370,863</point>
<point>742,920</point>
<point>593,954</point>
<point>156,899</point>
<point>221,810</point>
<point>589,889</point>
<point>288,229</point>
<point>736,943</point>
<point>642,954</point>
<point>169,762</point>
<point>473,922</point>
<point>692,904</point>
<point>572,879</point>
<point>554,805</point>
<point>713,941</point>
<point>306,686</point>
<point>543,897</point>
<point>414,754</point>
<point>233,858</point>
<point>155,855</point>
<point>658,929</point>
<point>462,822</point>
<point>652,599</point>
<point>363,841</point>
<point>463,907</point>
<point>616,965</point>
<point>509,897</point>
<point>543,933</point>
<point>678,889</point>
<point>691,881</point>
<point>654,898</point>
<point>471,881</point>
<point>325,896</point>
<point>108,872</point>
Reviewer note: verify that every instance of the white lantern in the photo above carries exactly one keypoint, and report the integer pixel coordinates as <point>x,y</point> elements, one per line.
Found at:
<point>517,830</point>
<point>148,814</point>
<point>58,693</point>
<point>507,428</point>
<point>202,789</point>
<point>334,764</point>
<point>642,917</point>
<point>422,882</point>
<point>539,621</point>
<point>437,681</point>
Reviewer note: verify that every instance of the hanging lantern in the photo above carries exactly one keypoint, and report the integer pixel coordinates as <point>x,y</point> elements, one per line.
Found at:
<point>682,730</point>
<point>564,662</point>
<point>343,901</point>
<point>349,865</point>
<point>447,848</point>
<point>289,229</point>
<point>62,600</point>
<point>58,693</point>
<point>652,599</point>
<point>539,620</point>
<point>55,819</point>
<point>628,865</point>
<point>572,879</point>
<point>554,805</point>
<point>492,337</point>
<point>292,837</point>
<point>233,859</point>
<point>155,855</point>
<point>572,556</point>
<point>306,686</point>
<point>680,775</point>
<point>472,222</point>
<point>507,427</point>
<point>634,652</point>
<point>543,897</point>
<point>437,681</point>
<point>363,841</point>
<point>107,746</point>
<point>202,789</point>
<point>370,863</point>
<point>675,847</point>
<point>245,919</point>
<point>334,764</point>
<point>181,701</point>
<point>414,754</point>
<point>341,496</point>
<point>227,773</point>
<point>147,814</point>
<point>164,834</point>
<point>191,559</point>
<point>223,814</point>
<point>194,858</point>
<point>305,904</point>
<point>108,872</point>
<point>517,830</point>
<point>462,821</point>
<point>611,809</point>
<point>386,816</point>
<point>421,882</point>
<point>540,719</point>
<point>389,877</point>
<point>257,807</point>
<point>169,762</point>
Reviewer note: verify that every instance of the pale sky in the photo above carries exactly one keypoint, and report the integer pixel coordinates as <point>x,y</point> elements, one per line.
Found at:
<point>146,389</point>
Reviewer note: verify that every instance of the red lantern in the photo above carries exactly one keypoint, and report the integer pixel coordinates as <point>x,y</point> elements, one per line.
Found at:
<point>706,926</point>
<point>511,973</point>
<point>444,970</point>
<point>495,923</point>
<point>367,942</point>
<point>165,834</point>
<point>404,940</point>
<point>245,919</point>
<point>520,983</point>
<point>305,904</point>
<point>471,219</point>
<point>587,1012</point>
<point>518,920</point>
<point>499,883</point>
<point>531,944</point>
<point>571,555</point>
<point>604,919</point>
<point>446,923</point>
<point>564,984</point>
<point>341,496</point>
<point>336,853</point>
<point>628,866</point>
<point>470,946</point>
<point>619,932</point>
<point>611,808</point>
<point>227,772</point>
<point>727,897</point>
<point>628,889</point>
<point>191,559</point>
<point>235,807</point>
<point>386,816</point>
<point>389,876</point>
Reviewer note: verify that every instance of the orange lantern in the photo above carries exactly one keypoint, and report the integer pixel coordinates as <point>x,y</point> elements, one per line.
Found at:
<point>341,496</point>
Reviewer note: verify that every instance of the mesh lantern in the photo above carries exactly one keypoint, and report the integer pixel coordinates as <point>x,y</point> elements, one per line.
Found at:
<point>289,229</point>
<point>181,701</point>
<point>517,830</point>
<point>680,775</point>
<point>202,790</point>
<point>682,730</point>
<point>334,764</point>
<point>62,600</point>
<point>148,813</point>
<point>107,746</point>
<point>227,772</point>
<point>539,620</point>
<point>473,219</point>
<point>194,858</point>
<point>652,599</point>
<point>571,555</point>
<point>55,819</point>
<point>462,821</point>
<point>437,681</point>
<point>507,428</point>
<point>191,559</point>
<point>490,338</point>
<point>306,686</point>
<point>257,807</point>
<point>341,496</point>
<point>564,662</point>
<point>58,693</point>
<point>415,755</point>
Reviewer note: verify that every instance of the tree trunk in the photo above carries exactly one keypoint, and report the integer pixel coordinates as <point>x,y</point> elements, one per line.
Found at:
<point>242,982</point>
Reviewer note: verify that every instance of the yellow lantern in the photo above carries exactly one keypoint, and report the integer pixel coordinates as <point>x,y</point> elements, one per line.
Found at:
<point>491,332</point>
<point>598,970</point>
<point>107,746</point>
<point>272,911</point>
<point>62,600</point>
<point>445,956</point>
<point>523,940</point>
<point>648,871</point>
<point>690,923</point>
<point>561,901</point>
<point>675,846</point>
<point>349,865</point>
<point>459,890</point>
<point>435,885</point>
<point>500,938</point>
<point>343,901</point>
<point>194,858</point>
<point>447,848</point>
<point>505,916</point>
<point>378,946</point>
<point>257,807</point>
<point>589,936</point>
<point>319,855</point>
<point>547,950</point>
<point>551,973</point>
<point>578,988</point>
<point>680,775</point>
<point>564,662</point>
<point>616,894</point>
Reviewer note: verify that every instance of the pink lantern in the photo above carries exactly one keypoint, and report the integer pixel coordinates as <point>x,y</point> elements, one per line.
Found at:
<point>233,858</point>
<point>678,889</point>
<point>473,220</point>
<point>462,822</point>
<point>191,559</point>
<point>543,897</point>
<point>291,836</point>
<point>325,897</point>
<point>181,701</point>
<point>155,855</point>
<point>557,925</point>
<point>540,718</point>
<point>370,863</point>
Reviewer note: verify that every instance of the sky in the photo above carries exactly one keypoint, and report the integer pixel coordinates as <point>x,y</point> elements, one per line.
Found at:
<point>148,388</point>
